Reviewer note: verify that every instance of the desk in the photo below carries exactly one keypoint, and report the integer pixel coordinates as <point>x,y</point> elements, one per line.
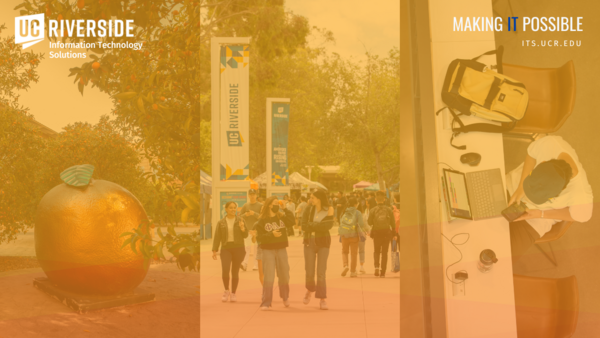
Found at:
<point>488,307</point>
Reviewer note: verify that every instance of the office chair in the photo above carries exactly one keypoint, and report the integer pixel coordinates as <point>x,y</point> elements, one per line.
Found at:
<point>546,307</point>
<point>551,98</point>
<point>557,231</point>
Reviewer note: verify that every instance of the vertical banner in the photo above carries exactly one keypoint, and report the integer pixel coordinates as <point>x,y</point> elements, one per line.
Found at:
<point>239,197</point>
<point>280,122</point>
<point>234,112</point>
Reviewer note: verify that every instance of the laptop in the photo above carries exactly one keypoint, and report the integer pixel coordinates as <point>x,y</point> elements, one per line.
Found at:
<point>475,195</point>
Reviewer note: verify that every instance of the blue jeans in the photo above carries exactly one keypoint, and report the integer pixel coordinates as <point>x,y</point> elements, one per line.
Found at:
<point>314,255</point>
<point>275,260</point>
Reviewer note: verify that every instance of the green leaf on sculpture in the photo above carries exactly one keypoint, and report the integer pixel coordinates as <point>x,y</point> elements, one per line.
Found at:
<point>126,234</point>
<point>148,250</point>
<point>78,175</point>
<point>126,242</point>
<point>133,247</point>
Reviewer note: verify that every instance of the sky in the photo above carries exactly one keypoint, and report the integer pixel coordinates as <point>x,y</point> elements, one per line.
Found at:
<point>55,101</point>
<point>355,24</point>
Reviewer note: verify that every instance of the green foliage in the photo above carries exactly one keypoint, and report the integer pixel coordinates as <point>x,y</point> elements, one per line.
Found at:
<point>184,247</point>
<point>32,166</point>
<point>304,80</point>
<point>278,48</point>
<point>18,70</point>
<point>366,117</point>
<point>205,146</point>
<point>154,89</point>
<point>19,182</point>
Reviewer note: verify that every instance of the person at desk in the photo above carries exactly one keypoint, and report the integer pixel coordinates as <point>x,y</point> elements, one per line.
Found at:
<point>554,187</point>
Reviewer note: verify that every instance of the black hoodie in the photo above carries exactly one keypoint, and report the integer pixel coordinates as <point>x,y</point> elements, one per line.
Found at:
<point>265,227</point>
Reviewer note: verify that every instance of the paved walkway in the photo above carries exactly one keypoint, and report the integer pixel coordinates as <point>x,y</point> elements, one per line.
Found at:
<point>26,312</point>
<point>358,307</point>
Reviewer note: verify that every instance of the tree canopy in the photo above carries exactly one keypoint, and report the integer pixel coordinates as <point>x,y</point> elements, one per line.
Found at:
<point>342,112</point>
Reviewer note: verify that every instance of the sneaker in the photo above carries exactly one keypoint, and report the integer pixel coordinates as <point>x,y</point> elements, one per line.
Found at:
<point>362,270</point>
<point>255,268</point>
<point>353,274</point>
<point>345,271</point>
<point>265,308</point>
<point>376,272</point>
<point>232,298</point>
<point>382,275</point>
<point>323,305</point>
<point>225,296</point>
<point>244,266</point>
<point>286,302</point>
<point>307,296</point>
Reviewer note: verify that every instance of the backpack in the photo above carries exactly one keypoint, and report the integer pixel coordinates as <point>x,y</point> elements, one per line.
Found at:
<point>472,88</point>
<point>381,219</point>
<point>348,224</point>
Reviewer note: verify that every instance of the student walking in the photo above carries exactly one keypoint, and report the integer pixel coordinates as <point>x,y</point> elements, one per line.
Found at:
<point>369,204</point>
<point>396,209</point>
<point>290,205</point>
<point>350,230</point>
<point>249,213</point>
<point>381,218</point>
<point>258,257</point>
<point>363,239</point>
<point>272,234</point>
<point>396,241</point>
<point>316,224</point>
<point>230,234</point>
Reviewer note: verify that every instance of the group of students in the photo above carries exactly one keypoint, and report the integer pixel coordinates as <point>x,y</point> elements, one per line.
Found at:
<point>270,224</point>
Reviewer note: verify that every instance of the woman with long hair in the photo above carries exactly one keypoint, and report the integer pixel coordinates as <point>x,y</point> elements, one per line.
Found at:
<point>316,246</point>
<point>272,235</point>
<point>369,204</point>
<point>230,234</point>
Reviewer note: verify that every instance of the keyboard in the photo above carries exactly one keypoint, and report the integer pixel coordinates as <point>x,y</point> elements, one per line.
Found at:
<point>484,188</point>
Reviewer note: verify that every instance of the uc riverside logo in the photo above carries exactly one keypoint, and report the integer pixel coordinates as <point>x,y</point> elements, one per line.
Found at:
<point>234,139</point>
<point>29,29</point>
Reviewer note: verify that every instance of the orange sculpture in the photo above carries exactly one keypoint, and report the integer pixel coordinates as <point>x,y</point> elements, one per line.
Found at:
<point>77,242</point>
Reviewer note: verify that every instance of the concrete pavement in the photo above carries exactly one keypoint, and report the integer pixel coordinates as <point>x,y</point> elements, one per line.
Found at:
<point>366,306</point>
<point>26,312</point>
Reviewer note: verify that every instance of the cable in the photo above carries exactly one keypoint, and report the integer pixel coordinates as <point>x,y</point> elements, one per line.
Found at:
<point>447,165</point>
<point>460,252</point>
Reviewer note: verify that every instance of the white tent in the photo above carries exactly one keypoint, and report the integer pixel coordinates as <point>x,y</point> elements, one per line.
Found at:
<point>297,181</point>
<point>298,178</point>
